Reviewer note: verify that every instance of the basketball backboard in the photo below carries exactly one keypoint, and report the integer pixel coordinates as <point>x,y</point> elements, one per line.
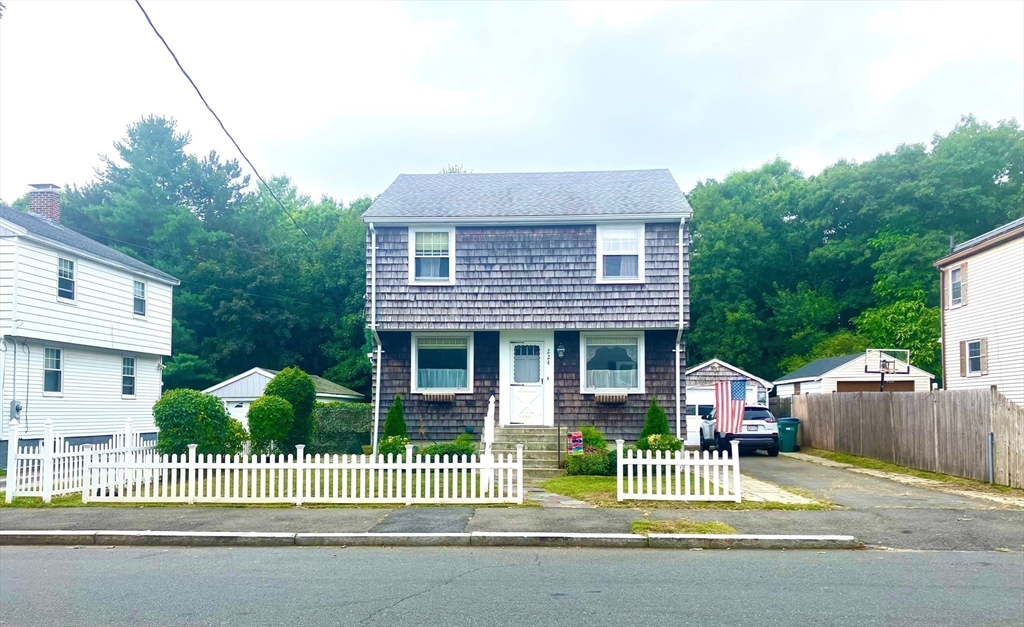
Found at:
<point>887,361</point>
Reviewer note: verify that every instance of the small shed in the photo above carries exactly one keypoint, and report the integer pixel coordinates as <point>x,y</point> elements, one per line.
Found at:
<point>700,392</point>
<point>241,390</point>
<point>846,374</point>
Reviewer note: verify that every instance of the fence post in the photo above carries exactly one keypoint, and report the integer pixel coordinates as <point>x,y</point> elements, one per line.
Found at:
<point>735,459</point>
<point>128,435</point>
<point>618,469</point>
<point>87,472</point>
<point>300,472</point>
<point>519,472</point>
<point>408,474</point>
<point>192,487</point>
<point>12,459</point>
<point>47,460</point>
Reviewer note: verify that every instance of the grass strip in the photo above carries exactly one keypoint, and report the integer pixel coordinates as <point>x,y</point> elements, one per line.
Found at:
<point>645,527</point>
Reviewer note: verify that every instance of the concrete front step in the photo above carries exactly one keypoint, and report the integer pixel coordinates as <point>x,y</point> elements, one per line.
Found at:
<point>510,447</point>
<point>540,474</point>
<point>528,455</point>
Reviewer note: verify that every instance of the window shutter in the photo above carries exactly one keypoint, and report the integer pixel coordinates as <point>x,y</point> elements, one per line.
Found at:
<point>963,358</point>
<point>984,356</point>
<point>963,284</point>
<point>944,279</point>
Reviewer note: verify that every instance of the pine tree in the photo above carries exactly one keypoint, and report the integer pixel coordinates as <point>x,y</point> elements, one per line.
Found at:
<point>394,424</point>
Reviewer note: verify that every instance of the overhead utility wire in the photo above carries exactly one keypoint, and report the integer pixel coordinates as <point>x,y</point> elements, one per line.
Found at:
<point>223,128</point>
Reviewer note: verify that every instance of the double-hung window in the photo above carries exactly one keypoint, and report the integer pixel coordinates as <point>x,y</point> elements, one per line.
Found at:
<point>620,253</point>
<point>139,305</point>
<point>956,287</point>
<point>53,371</point>
<point>612,363</point>
<point>975,355</point>
<point>127,376</point>
<point>432,255</point>
<point>442,363</point>
<point>65,279</point>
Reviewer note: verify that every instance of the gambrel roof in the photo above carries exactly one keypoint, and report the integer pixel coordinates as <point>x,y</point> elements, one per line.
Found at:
<point>538,196</point>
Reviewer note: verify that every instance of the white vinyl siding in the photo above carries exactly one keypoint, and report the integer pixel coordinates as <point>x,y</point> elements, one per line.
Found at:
<point>7,254</point>
<point>442,363</point>
<point>432,256</point>
<point>89,403</point>
<point>104,300</point>
<point>612,363</point>
<point>995,314</point>
<point>620,253</point>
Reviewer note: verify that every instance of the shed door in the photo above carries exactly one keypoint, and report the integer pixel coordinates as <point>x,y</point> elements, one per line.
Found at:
<point>527,383</point>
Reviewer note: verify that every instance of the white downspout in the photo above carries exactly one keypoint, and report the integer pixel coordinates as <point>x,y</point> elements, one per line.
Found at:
<point>376,338</point>
<point>679,334</point>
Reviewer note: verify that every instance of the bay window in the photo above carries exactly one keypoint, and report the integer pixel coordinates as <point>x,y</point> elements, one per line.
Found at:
<point>442,363</point>
<point>612,363</point>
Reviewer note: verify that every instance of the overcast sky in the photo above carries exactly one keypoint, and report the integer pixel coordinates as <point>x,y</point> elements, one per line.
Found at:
<point>344,96</point>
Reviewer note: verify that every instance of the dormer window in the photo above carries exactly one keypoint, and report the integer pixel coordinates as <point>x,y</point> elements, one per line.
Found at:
<point>65,279</point>
<point>432,256</point>
<point>620,253</point>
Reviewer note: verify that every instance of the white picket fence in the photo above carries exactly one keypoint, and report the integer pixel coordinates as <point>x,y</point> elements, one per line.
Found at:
<point>56,467</point>
<point>408,479</point>
<point>678,476</point>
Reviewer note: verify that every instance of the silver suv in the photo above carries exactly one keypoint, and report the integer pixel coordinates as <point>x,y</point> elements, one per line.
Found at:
<point>760,432</point>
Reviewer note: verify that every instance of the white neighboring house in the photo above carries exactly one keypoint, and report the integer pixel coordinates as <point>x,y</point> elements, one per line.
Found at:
<point>84,329</point>
<point>983,312</point>
<point>700,392</point>
<point>846,374</point>
<point>241,390</point>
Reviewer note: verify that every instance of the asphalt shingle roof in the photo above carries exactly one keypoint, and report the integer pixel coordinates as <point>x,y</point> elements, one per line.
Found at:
<point>984,237</point>
<point>323,386</point>
<point>819,367</point>
<point>59,234</point>
<point>539,194</point>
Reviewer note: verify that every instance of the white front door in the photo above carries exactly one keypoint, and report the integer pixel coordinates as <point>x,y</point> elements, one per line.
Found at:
<point>526,385</point>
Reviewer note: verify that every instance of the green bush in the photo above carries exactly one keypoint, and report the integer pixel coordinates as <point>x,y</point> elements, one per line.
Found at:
<point>394,444</point>
<point>593,438</point>
<point>463,445</point>
<point>296,387</point>
<point>660,442</point>
<point>657,420</point>
<point>270,421</point>
<point>186,417</point>
<point>394,424</point>
<point>588,464</point>
<point>342,427</point>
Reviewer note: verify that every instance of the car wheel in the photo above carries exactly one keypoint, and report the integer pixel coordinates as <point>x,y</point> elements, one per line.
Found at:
<point>721,445</point>
<point>703,445</point>
<point>773,451</point>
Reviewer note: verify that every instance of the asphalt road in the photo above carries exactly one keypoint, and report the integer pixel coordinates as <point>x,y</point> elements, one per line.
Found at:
<point>536,587</point>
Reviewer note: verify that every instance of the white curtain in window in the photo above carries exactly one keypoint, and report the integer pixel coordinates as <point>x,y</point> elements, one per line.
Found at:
<point>629,344</point>
<point>430,269</point>
<point>611,379</point>
<point>442,378</point>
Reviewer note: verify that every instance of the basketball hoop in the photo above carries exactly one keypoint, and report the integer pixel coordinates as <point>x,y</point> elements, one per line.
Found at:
<point>883,361</point>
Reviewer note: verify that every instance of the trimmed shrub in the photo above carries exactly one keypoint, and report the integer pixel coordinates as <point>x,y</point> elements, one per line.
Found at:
<point>660,442</point>
<point>394,444</point>
<point>186,417</point>
<point>394,424</point>
<point>463,445</point>
<point>587,464</point>
<point>657,420</point>
<point>270,421</point>
<point>342,427</point>
<point>593,438</point>
<point>296,387</point>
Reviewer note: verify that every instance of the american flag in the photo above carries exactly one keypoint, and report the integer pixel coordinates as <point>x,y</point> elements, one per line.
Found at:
<point>730,399</point>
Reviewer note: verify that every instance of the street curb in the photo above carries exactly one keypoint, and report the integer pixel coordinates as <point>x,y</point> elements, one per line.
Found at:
<point>476,538</point>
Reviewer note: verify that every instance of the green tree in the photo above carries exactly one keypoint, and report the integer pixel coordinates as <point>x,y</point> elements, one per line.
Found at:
<point>296,387</point>
<point>186,417</point>
<point>656,422</point>
<point>270,420</point>
<point>394,423</point>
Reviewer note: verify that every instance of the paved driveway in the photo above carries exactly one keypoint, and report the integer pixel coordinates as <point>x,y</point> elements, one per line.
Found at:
<point>850,489</point>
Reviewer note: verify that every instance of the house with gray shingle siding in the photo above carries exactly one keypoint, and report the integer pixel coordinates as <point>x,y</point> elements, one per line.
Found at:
<point>565,295</point>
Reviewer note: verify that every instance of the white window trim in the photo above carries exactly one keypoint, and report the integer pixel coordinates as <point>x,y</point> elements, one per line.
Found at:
<point>641,363</point>
<point>61,371</point>
<point>76,267</point>
<point>954,304</point>
<point>145,297</point>
<point>135,375</point>
<point>414,386</point>
<point>641,249</point>
<point>451,255</point>
<point>967,347</point>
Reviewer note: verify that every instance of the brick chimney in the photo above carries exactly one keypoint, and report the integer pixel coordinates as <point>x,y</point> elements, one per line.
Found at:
<point>44,201</point>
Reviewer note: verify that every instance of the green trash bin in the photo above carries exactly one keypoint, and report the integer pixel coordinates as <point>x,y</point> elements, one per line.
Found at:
<point>788,431</point>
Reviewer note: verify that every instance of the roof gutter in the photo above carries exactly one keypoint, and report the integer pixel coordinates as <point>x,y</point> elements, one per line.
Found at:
<point>377,349</point>
<point>526,220</point>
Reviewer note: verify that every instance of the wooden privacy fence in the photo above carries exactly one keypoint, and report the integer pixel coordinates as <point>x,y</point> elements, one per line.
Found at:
<point>55,467</point>
<point>945,431</point>
<point>679,475</point>
<point>408,479</point>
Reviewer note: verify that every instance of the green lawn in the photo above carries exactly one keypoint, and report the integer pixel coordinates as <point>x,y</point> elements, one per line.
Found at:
<point>877,464</point>
<point>645,527</point>
<point>602,491</point>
